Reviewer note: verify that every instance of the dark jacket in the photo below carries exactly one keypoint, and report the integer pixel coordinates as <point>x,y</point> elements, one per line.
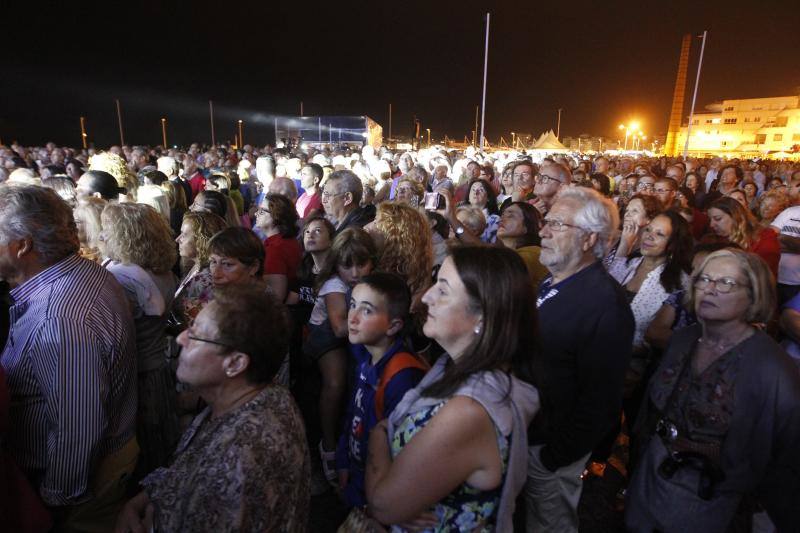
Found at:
<point>357,218</point>
<point>586,337</point>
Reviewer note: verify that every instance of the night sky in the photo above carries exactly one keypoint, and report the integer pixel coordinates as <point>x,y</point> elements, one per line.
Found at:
<point>603,63</point>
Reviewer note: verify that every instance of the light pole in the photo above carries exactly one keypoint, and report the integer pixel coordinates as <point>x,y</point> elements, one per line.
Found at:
<point>429,136</point>
<point>83,131</point>
<point>632,127</point>
<point>164,131</point>
<point>513,140</point>
<point>558,126</point>
<point>241,136</point>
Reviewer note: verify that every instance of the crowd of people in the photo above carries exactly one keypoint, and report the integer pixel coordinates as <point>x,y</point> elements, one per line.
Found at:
<point>202,338</point>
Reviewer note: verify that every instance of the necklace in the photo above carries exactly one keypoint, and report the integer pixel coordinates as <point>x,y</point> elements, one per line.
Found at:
<point>723,345</point>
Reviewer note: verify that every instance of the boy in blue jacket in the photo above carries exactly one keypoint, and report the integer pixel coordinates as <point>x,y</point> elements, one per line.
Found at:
<point>384,371</point>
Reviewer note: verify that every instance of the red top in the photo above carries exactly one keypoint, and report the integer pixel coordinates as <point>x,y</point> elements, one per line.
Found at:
<point>197,182</point>
<point>767,247</point>
<point>283,255</point>
<point>305,204</point>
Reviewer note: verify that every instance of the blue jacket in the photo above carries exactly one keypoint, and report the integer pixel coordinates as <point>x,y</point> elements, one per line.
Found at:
<point>351,453</point>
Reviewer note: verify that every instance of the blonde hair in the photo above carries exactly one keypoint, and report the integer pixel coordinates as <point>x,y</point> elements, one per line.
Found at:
<point>408,248</point>
<point>116,166</point>
<point>175,196</point>
<point>137,234</point>
<point>761,283</point>
<point>89,210</point>
<point>204,225</point>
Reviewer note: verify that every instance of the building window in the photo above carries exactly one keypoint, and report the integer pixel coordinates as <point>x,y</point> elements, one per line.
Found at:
<point>730,121</point>
<point>729,108</point>
<point>758,108</point>
<point>746,119</point>
<point>695,122</point>
<point>724,143</point>
<point>708,121</point>
<point>761,138</point>
<point>777,137</point>
<point>796,137</point>
<point>715,121</point>
<point>757,119</point>
<point>781,122</point>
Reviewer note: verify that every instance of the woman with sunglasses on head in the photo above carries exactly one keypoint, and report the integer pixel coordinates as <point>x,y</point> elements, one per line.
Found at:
<point>243,464</point>
<point>720,424</point>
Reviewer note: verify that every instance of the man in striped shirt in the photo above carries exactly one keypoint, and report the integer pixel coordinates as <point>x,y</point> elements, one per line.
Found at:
<point>70,361</point>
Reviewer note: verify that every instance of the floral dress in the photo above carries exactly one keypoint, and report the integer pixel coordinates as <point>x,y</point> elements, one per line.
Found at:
<point>466,509</point>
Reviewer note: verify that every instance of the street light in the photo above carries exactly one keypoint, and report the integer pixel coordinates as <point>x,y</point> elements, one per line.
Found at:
<point>513,142</point>
<point>632,127</point>
<point>164,131</point>
<point>429,136</point>
<point>241,136</point>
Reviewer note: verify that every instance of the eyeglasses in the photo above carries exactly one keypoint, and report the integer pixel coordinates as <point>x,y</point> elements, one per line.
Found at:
<point>544,178</point>
<point>326,194</point>
<point>557,225</point>
<point>209,341</point>
<point>643,186</point>
<point>722,285</point>
<point>262,211</point>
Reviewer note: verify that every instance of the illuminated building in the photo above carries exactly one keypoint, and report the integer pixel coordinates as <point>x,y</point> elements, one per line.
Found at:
<point>745,128</point>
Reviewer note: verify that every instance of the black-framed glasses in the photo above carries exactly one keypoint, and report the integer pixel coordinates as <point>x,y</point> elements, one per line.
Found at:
<point>209,341</point>
<point>722,285</point>
<point>557,225</point>
<point>544,178</point>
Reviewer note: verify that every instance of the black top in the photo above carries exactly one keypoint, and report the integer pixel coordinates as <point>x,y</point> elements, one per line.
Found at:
<point>358,218</point>
<point>586,334</point>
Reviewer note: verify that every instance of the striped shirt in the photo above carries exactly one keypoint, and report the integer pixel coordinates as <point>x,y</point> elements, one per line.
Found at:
<point>70,360</point>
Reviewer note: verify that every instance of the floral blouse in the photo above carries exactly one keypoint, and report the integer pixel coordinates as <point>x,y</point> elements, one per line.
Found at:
<point>194,292</point>
<point>466,508</point>
<point>248,470</point>
<point>703,404</point>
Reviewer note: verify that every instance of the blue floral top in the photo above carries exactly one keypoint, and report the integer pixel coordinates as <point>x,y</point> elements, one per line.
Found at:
<point>466,509</point>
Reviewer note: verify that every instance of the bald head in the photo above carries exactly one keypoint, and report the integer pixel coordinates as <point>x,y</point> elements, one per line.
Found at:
<point>284,187</point>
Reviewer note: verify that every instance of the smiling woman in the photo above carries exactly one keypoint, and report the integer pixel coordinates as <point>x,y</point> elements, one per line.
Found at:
<point>725,395</point>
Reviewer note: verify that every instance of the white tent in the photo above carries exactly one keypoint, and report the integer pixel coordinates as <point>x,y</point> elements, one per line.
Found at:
<point>548,141</point>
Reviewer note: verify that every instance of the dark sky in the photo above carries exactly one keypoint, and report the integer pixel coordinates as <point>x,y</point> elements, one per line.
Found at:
<point>603,63</point>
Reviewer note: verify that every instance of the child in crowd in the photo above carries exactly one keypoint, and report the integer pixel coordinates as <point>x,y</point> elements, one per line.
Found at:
<point>384,371</point>
<point>352,256</point>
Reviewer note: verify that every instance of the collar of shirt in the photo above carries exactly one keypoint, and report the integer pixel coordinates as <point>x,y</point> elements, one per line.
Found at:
<point>24,292</point>
<point>372,373</point>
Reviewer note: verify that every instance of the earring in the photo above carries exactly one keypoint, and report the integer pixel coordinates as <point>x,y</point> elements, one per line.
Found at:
<point>477,330</point>
<point>229,373</point>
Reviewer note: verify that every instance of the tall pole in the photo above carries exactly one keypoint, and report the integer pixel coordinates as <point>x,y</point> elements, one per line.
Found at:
<point>83,131</point>
<point>475,131</point>
<point>164,131</point>
<point>119,120</point>
<point>694,96</point>
<point>211,113</point>
<point>558,125</point>
<point>390,121</point>
<point>301,109</point>
<point>485,68</point>
<point>241,135</point>
<point>429,136</point>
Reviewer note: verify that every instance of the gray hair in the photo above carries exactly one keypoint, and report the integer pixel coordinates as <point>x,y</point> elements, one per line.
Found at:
<point>38,213</point>
<point>24,176</point>
<point>168,165</point>
<point>596,214</point>
<point>285,187</point>
<point>347,181</point>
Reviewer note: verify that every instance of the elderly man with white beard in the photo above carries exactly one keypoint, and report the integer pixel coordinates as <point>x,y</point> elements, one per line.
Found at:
<point>586,330</point>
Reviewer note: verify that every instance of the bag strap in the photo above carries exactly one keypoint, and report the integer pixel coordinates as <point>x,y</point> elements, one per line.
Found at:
<point>399,362</point>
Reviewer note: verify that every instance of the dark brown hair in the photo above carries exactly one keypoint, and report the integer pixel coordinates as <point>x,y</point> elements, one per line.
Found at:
<point>283,213</point>
<point>499,287</point>
<point>678,251</point>
<point>250,321</point>
<point>241,244</point>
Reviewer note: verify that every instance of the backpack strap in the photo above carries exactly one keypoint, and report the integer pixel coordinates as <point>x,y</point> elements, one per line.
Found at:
<point>399,362</point>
